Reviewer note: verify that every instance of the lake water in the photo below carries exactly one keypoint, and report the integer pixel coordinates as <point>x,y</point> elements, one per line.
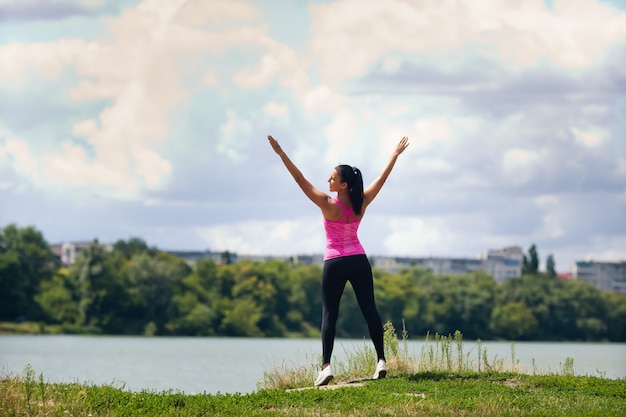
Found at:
<point>236,365</point>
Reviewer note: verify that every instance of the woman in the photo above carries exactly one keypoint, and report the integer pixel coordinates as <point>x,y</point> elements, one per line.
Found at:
<point>345,259</point>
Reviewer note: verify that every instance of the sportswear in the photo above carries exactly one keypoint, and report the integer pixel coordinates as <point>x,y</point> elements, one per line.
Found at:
<point>381,370</point>
<point>341,236</point>
<point>324,377</point>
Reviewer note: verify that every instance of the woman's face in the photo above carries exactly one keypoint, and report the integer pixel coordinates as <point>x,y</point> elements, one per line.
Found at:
<point>334,182</point>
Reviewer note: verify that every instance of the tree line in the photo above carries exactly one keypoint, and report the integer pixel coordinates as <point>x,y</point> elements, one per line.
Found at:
<point>136,289</point>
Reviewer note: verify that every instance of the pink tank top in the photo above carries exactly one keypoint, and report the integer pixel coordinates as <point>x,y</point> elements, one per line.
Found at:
<point>341,236</point>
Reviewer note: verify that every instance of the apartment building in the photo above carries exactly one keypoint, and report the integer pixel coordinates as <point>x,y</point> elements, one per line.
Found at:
<point>503,264</point>
<point>68,251</point>
<point>607,276</point>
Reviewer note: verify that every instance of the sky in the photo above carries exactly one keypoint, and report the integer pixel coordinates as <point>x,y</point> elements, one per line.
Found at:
<point>128,118</point>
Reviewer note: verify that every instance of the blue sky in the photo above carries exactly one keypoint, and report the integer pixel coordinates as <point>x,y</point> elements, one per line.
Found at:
<point>148,118</point>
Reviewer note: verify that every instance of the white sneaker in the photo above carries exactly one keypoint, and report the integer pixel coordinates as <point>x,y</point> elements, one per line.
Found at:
<point>381,370</point>
<point>324,377</point>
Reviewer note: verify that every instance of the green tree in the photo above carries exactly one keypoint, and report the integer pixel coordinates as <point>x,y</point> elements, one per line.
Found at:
<point>56,298</point>
<point>154,280</point>
<point>100,288</point>
<point>227,257</point>
<point>616,316</point>
<point>305,299</point>
<point>25,261</point>
<point>550,266</point>
<point>350,322</point>
<point>189,316</point>
<point>513,321</point>
<point>241,318</point>
<point>531,262</point>
<point>13,302</point>
<point>131,247</point>
<point>257,283</point>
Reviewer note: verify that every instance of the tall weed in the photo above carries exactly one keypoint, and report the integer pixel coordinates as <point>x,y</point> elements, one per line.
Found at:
<point>439,353</point>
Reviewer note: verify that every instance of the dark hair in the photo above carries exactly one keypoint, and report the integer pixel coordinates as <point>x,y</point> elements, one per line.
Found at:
<point>352,176</point>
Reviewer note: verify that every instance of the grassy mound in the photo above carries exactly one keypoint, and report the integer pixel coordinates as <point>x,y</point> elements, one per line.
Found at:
<point>443,381</point>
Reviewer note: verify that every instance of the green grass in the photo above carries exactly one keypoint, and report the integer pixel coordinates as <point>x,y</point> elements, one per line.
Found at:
<point>440,393</point>
<point>439,353</point>
<point>25,327</point>
<point>444,381</point>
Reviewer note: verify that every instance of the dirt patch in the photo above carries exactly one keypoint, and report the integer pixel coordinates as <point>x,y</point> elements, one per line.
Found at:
<point>512,383</point>
<point>333,386</point>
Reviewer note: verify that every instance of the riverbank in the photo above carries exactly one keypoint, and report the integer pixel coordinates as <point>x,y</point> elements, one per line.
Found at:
<point>419,394</point>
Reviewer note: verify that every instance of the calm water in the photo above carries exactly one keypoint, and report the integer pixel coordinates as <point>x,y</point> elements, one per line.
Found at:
<point>231,365</point>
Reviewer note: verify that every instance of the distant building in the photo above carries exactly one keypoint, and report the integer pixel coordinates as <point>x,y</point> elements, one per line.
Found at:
<point>308,260</point>
<point>193,256</point>
<point>565,276</point>
<point>68,251</point>
<point>607,276</point>
<point>502,264</point>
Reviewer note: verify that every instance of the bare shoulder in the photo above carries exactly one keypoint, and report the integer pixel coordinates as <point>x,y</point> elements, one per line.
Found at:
<point>331,209</point>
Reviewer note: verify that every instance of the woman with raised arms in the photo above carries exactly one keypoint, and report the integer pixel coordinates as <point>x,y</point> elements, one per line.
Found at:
<point>344,258</point>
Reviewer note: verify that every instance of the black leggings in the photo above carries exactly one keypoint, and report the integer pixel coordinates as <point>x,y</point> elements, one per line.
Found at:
<point>335,274</point>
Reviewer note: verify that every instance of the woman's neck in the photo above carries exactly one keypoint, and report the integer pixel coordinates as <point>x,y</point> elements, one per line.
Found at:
<point>344,199</point>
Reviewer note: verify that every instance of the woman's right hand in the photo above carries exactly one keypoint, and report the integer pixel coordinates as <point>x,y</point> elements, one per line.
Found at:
<point>274,144</point>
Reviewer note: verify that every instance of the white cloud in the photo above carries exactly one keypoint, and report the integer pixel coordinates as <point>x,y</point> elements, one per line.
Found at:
<point>210,78</point>
<point>258,77</point>
<point>417,236</point>
<point>320,97</point>
<point>289,237</point>
<point>340,134</point>
<point>18,152</point>
<point>70,167</point>
<point>590,138</point>
<point>350,35</point>
<point>199,12</point>
<point>552,220</point>
<point>136,68</point>
<point>73,167</point>
<point>504,97</point>
<point>518,165</point>
<point>277,110</point>
<point>235,134</point>
<point>431,130</point>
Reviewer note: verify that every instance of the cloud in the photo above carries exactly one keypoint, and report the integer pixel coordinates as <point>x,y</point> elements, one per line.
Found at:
<point>28,10</point>
<point>519,165</point>
<point>277,237</point>
<point>234,136</point>
<point>137,71</point>
<point>348,37</point>
<point>253,78</point>
<point>590,138</point>
<point>158,112</point>
<point>277,111</point>
<point>18,152</point>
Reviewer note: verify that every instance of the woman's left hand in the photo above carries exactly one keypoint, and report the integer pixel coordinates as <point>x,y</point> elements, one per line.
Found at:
<point>404,142</point>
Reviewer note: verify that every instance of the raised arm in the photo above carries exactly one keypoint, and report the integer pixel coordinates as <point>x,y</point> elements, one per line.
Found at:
<point>316,196</point>
<point>372,191</point>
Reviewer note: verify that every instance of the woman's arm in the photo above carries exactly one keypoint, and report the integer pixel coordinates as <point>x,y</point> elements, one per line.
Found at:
<point>316,196</point>
<point>372,191</point>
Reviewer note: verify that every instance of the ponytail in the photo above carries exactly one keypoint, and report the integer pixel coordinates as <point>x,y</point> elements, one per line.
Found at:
<point>352,176</point>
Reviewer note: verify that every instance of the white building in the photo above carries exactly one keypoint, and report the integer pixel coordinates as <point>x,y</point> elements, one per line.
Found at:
<point>68,251</point>
<point>607,276</point>
<point>502,264</point>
